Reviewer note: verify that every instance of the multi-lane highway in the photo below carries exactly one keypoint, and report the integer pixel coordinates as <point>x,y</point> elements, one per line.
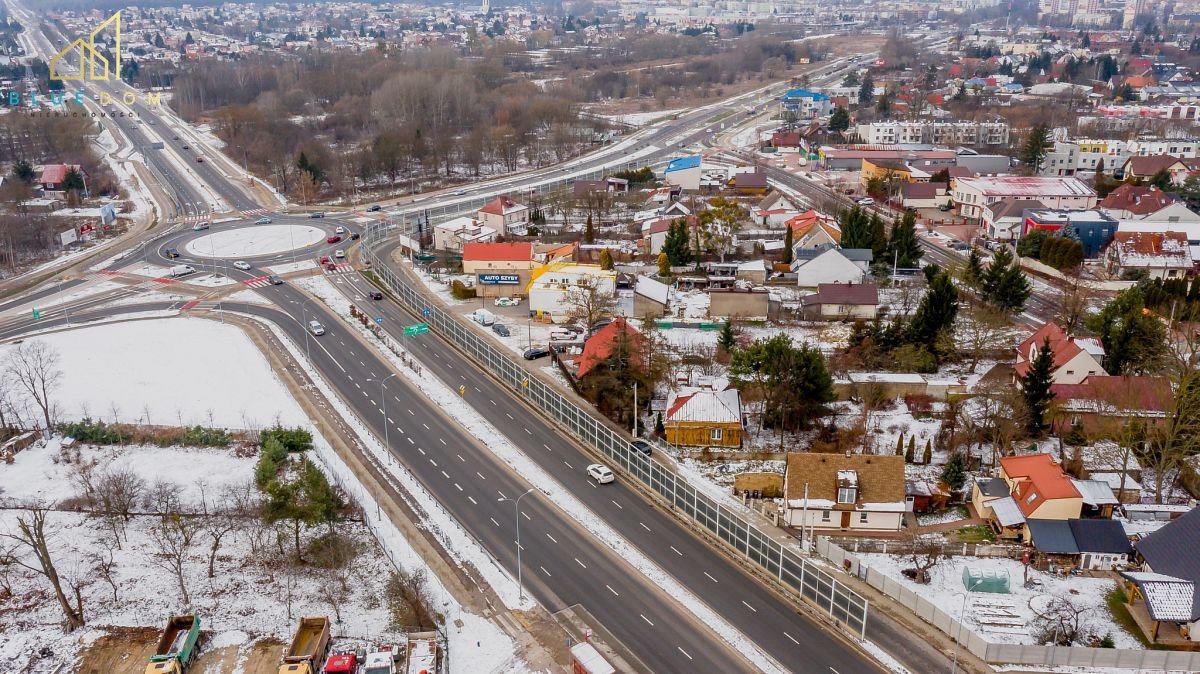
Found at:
<point>563,564</point>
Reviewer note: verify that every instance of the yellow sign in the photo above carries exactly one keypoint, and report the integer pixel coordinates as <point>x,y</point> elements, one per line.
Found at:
<point>90,55</point>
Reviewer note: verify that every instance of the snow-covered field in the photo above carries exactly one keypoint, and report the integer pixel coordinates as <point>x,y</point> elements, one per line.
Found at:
<point>177,372</point>
<point>255,240</point>
<point>643,118</point>
<point>946,591</point>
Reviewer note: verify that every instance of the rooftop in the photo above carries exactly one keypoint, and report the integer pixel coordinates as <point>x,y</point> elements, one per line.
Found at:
<point>521,251</point>
<point>1027,186</point>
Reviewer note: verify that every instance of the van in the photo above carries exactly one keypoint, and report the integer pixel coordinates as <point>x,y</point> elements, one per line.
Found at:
<point>483,317</point>
<point>182,270</point>
<point>199,226</point>
<point>561,335</point>
<point>316,328</point>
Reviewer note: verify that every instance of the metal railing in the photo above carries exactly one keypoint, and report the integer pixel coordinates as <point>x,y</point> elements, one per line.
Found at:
<point>790,568</point>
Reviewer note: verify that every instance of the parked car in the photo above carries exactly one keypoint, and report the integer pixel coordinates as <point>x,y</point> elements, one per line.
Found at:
<point>501,329</point>
<point>316,214</point>
<point>275,279</point>
<point>333,239</point>
<point>641,446</point>
<point>483,317</point>
<point>945,207</point>
<point>508,301</point>
<point>375,208</point>
<point>601,473</point>
<point>241,265</point>
<point>263,221</point>
<point>199,160</point>
<point>536,352</point>
<point>186,147</point>
<point>376,295</point>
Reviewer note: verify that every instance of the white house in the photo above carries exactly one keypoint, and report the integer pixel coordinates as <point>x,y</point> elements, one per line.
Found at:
<point>862,492</point>
<point>1075,358</point>
<point>453,234</point>
<point>1004,220</point>
<point>972,195</point>
<point>554,288</point>
<point>832,265</point>
<point>505,215</point>
<point>684,172</point>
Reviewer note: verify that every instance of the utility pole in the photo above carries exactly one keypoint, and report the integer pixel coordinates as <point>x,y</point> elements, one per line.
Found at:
<point>635,409</point>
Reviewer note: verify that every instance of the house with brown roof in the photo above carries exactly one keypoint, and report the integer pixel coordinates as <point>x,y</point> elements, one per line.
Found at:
<point>856,492</point>
<point>1162,254</point>
<point>505,215</point>
<point>704,416</point>
<point>1040,488</point>
<point>1103,405</point>
<point>1075,358</point>
<point>1004,219</point>
<point>1146,202</point>
<point>925,195</point>
<point>842,301</point>
<point>786,141</point>
<point>749,182</point>
<point>1144,168</point>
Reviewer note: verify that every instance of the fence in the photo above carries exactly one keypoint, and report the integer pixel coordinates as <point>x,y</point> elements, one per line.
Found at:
<point>1017,654</point>
<point>902,547</point>
<point>791,569</point>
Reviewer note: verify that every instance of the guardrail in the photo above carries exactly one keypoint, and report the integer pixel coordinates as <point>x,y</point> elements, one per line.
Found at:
<point>790,568</point>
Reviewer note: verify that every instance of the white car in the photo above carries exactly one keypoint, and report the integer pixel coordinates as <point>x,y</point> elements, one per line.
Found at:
<point>241,265</point>
<point>340,230</point>
<point>339,253</point>
<point>508,301</point>
<point>865,201</point>
<point>600,473</point>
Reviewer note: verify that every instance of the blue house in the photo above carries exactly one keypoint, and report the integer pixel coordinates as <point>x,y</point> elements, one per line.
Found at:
<point>684,172</point>
<point>806,104</point>
<point>1091,228</point>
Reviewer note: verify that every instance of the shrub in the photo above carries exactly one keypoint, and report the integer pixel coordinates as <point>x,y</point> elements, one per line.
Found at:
<point>460,291</point>
<point>199,436</point>
<point>94,432</point>
<point>292,439</point>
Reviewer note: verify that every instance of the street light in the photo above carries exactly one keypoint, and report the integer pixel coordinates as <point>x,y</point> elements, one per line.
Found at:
<point>383,408</point>
<point>304,326</point>
<point>961,615</point>
<point>517,516</point>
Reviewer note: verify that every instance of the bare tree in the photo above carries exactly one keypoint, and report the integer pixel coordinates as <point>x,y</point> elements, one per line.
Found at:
<point>173,536</point>
<point>34,367</point>
<point>32,535</point>
<point>1061,623</point>
<point>981,331</point>
<point>1073,304</point>
<point>118,493</point>
<point>924,553</point>
<point>1176,437</point>
<point>408,601</point>
<point>220,522</point>
<point>587,303</point>
<point>103,565</point>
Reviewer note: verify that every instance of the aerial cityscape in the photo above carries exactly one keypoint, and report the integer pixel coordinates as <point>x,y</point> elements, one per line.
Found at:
<point>860,338</point>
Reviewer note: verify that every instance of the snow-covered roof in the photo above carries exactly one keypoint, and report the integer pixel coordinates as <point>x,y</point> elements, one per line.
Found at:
<point>692,404</point>
<point>848,476</point>
<point>1006,511</point>
<point>1095,492</point>
<point>1091,345</point>
<point>1113,480</point>
<point>652,289</point>
<point>1027,186</point>
<point>1167,597</point>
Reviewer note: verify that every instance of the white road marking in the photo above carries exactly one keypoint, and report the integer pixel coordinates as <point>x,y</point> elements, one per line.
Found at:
<point>547,447</point>
<point>460,458</point>
<point>647,620</point>
<point>445,475</point>
<point>529,431</point>
<point>421,451</point>
<point>611,590</point>
<point>410,441</point>
<point>457,487</point>
<point>617,504</point>
<point>644,526</point>
<point>676,551</point>
<point>544,571</point>
<point>748,606</point>
<point>580,563</point>
<point>412,413</point>
<point>493,519</point>
<point>792,638</point>
<point>425,425</point>
<point>526,516</point>
<point>509,416</point>
<point>551,538</point>
<point>443,442</point>
<point>711,578</point>
<point>498,491</point>
<point>568,465</point>
<point>684,652</point>
<point>472,501</point>
<point>433,462</point>
<point>492,402</point>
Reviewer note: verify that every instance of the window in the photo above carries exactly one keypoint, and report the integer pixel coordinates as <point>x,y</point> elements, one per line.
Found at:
<point>862,518</point>
<point>1031,498</point>
<point>846,494</point>
<point>715,434</point>
<point>825,515</point>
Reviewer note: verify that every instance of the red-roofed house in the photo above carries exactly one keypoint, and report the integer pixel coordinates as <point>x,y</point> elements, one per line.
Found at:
<point>1164,254</point>
<point>53,176</point>
<point>1103,404</point>
<point>500,269</point>
<point>1142,202</point>
<point>704,417</point>
<point>813,229</point>
<point>1075,358</point>
<point>1144,168</point>
<point>604,342</point>
<point>1040,488</point>
<point>505,215</point>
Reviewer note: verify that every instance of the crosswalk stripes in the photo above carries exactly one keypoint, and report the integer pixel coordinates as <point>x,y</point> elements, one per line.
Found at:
<point>254,212</point>
<point>339,268</point>
<point>258,282</point>
<point>193,219</point>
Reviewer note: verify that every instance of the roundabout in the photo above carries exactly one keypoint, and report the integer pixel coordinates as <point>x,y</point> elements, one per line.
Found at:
<point>255,241</point>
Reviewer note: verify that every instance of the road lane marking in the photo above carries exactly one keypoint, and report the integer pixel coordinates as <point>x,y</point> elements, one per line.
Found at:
<point>644,526</point>
<point>421,451</point>
<point>526,516</point>
<point>493,519</point>
<point>748,606</point>
<point>410,441</point>
<point>647,620</point>
<point>509,416</point>
<point>498,492</point>
<point>426,426</point>
<point>711,578</point>
<point>569,465</point>
<point>412,413</point>
<point>616,504</point>
<point>493,402</point>
<point>472,501</point>
<point>547,447</point>
<point>529,431</point>
<point>684,652</point>
<point>551,538</point>
<point>544,571</point>
<point>460,458</point>
<point>676,551</point>
<point>433,462</point>
<point>481,477</point>
<point>457,487</point>
<point>443,442</point>
<point>580,563</point>
<point>792,638</point>
<point>357,386</point>
<point>611,590</point>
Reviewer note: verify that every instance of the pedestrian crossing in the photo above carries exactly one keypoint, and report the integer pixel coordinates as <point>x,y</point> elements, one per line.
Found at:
<point>339,268</point>
<point>193,219</point>
<point>258,282</point>
<point>255,212</point>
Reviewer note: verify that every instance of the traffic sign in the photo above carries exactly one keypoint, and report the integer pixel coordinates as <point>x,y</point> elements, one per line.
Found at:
<point>462,390</point>
<point>37,315</point>
<point>379,320</point>
<point>416,329</point>
<point>427,312</point>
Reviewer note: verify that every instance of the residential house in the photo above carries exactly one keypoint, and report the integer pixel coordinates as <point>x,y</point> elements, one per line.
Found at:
<point>805,104</point>
<point>1092,228</point>
<point>684,172</point>
<point>993,501</point>
<point>1103,405</point>
<point>744,303</point>
<point>922,496</point>
<point>753,271</point>
<point>500,269</point>
<point>604,342</point>
<point>856,492</point>
<point>1099,501</point>
<point>786,141</point>
<point>813,230</point>
<point>1162,255</point>
<point>833,265</point>
<point>1004,219</point>
<point>452,235</point>
<point>925,194</point>
<point>1144,168</point>
<point>555,290</point>
<point>1094,545</point>
<point>934,132</point>
<point>650,297</point>
<point>842,301</point>
<point>53,176</point>
<point>505,215</point>
<point>1075,358</point>
<point>748,182</point>
<point>1040,488</point>
<point>1145,202</point>
<point>709,416</point>
<point>1173,551</point>
<point>890,170</point>
<point>971,195</point>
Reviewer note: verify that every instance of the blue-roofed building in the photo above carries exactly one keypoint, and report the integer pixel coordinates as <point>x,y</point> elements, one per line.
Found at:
<point>684,172</point>
<point>806,104</point>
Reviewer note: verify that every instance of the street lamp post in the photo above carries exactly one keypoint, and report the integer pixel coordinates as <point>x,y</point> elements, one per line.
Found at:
<point>517,516</point>
<point>304,327</point>
<point>958,633</point>
<point>383,408</point>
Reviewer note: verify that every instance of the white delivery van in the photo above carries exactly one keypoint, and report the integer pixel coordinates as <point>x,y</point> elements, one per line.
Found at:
<point>483,317</point>
<point>182,270</point>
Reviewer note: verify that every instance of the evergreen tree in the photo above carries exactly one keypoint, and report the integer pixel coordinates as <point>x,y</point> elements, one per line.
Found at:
<point>866,92</point>
<point>73,180</point>
<point>1134,341</point>
<point>23,171</point>
<point>1162,180</point>
<point>912,446</point>
<point>589,231</point>
<point>936,312</point>
<point>664,265</point>
<point>1035,389</point>
<point>659,428</point>
<point>954,474</point>
<point>1033,152</point>
<point>909,456</point>
<point>606,260</point>
<point>856,229</point>
<point>727,340</point>
<point>972,273</point>
<point>788,253</point>
<point>677,244</point>
<point>883,107</point>
<point>900,445</point>
<point>840,119</point>
<point>1086,41</point>
<point>903,243</point>
<point>188,39</point>
<point>927,456</point>
<point>879,238</point>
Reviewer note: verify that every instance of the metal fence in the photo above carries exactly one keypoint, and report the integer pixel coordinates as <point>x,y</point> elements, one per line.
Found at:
<point>789,567</point>
<point>1018,654</point>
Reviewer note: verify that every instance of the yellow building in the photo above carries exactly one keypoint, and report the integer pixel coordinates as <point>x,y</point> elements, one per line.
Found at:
<point>699,417</point>
<point>890,169</point>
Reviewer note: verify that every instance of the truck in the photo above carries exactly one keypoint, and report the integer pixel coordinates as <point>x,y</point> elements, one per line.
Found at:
<point>182,270</point>
<point>308,648</point>
<point>177,647</point>
<point>342,663</point>
<point>422,654</point>
<point>380,662</point>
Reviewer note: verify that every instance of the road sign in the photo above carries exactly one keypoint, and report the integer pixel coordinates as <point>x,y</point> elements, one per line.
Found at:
<point>416,329</point>
<point>462,390</point>
<point>427,312</point>
<point>379,320</point>
<point>37,315</point>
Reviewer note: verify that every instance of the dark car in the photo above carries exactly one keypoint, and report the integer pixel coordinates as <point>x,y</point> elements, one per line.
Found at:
<point>535,353</point>
<point>316,214</point>
<point>375,209</point>
<point>275,280</point>
<point>376,295</point>
<point>354,236</point>
<point>171,252</point>
<point>501,329</point>
<point>641,446</point>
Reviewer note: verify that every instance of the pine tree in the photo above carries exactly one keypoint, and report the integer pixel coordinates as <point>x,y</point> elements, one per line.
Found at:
<point>1012,291</point>
<point>856,229</point>
<point>1033,152</point>
<point>727,340</point>
<point>787,245</point>
<point>840,119</point>
<point>903,243</point>
<point>909,456</point>
<point>900,445</point>
<point>606,260</point>
<point>927,456</point>
<point>972,273</point>
<point>912,445</point>
<point>589,231</point>
<point>659,428</point>
<point>1035,389</point>
<point>935,313</point>
<point>954,475</point>
<point>879,238</point>
<point>866,91</point>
